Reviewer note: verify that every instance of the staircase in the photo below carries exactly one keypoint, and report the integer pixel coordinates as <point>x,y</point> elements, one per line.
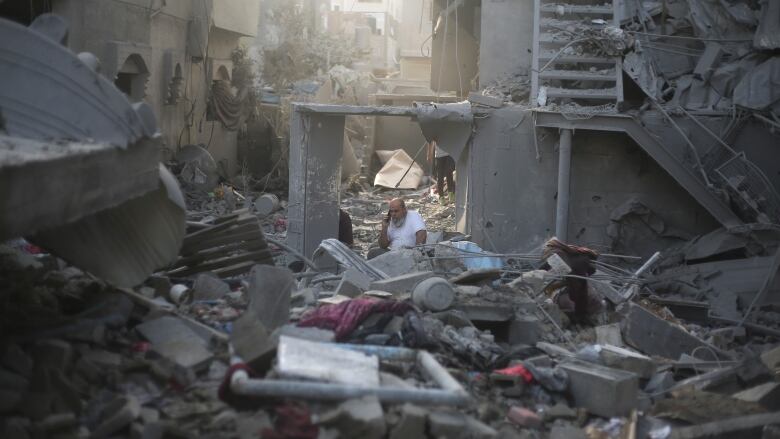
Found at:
<point>567,64</point>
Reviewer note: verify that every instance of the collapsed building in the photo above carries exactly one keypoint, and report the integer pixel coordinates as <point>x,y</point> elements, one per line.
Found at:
<point>591,164</point>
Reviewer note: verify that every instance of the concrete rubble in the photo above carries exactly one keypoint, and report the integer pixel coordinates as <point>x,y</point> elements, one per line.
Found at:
<point>231,332</point>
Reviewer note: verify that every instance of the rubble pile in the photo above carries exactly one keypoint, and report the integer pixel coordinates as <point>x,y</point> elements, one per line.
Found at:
<point>444,340</point>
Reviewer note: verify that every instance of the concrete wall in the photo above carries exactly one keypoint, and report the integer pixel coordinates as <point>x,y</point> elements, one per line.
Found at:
<point>506,38</point>
<point>454,61</point>
<point>113,29</point>
<point>512,195</point>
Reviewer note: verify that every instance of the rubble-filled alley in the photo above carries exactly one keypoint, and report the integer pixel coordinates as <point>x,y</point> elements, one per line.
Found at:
<point>389,219</point>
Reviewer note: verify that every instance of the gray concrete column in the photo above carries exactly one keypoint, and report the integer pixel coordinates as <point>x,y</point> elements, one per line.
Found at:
<point>564,181</point>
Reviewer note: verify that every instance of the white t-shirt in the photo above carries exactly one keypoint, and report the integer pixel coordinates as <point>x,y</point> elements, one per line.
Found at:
<point>404,236</point>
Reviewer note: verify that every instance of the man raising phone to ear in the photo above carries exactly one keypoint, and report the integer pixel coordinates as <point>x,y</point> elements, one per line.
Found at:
<point>402,228</point>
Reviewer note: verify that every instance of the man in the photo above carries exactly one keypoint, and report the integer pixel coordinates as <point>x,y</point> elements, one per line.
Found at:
<point>443,168</point>
<point>400,228</point>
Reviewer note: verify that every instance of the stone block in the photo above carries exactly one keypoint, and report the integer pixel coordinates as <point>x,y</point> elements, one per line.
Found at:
<point>609,334</point>
<point>523,417</point>
<point>209,286</point>
<point>396,262</point>
<point>486,312</point>
<point>353,283</point>
<point>57,354</point>
<point>411,424</point>
<point>655,336</point>
<point>660,382</point>
<point>326,361</point>
<point>401,284</point>
<point>524,329</point>
<point>621,358</point>
<point>174,340</point>
<point>269,294</point>
<point>310,333</point>
<point>252,342</point>
<point>488,101</point>
<point>602,390</point>
<point>361,418</point>
<point>771,359</point>
<point>767,394</point>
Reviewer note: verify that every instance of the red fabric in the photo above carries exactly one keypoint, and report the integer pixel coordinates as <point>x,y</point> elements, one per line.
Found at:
<point>518,370</point>
<point>292,422</point>
<point>344,317</point>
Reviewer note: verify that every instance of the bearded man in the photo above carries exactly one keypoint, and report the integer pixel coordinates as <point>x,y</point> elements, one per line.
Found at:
<point>400,228</point>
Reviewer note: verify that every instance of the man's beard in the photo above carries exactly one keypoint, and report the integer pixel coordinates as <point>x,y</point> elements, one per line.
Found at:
<point>399,222</point>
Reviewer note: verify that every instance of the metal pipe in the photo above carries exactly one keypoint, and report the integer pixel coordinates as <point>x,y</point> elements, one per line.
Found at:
<point>564,180</point>
<point>243,385</point>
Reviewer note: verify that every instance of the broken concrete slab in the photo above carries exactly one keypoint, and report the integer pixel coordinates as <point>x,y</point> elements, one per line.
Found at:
<point>609,334</point>
<point>269,293</point>
<point>353,283</point>
<point>356,418</point>
<point>401,284</point>
<point>209,286</point>
<point>602,390</point>
<point>725,305</point>
<point>477,276</point>
<point>652,335</point>
<point>156,217</point>
<point>304,333</point>
<point>396,262</point>
<point>173,339</point>
<point>743,427</point>
<point>771,359</point>
<point>767,394</point>
<point>457,426</point>
<point>524,329</point>
<point>488,101</point>
<point>252,342</point>
<point>660,382</point>
<point>624,359</point>
<point>328,362</point>
<point>411,424</point>
<point>485,312</point>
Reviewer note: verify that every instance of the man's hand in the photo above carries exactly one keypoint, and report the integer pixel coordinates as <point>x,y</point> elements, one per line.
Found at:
<point>384,241</point>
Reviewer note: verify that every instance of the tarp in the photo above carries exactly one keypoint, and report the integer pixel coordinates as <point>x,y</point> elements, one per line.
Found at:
<point>393,172</point>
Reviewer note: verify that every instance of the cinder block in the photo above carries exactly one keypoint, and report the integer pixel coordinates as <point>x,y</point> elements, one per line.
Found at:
<point>624,359</point>
<point>353,283</point>
<point>602,390</point>
<point>401,284</point>
<point>524,329</point>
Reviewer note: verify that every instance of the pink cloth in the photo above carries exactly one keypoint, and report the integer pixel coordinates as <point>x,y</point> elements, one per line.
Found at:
<point>344,317</point>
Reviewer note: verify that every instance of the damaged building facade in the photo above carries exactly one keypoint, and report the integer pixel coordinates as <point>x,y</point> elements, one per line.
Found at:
<point>175,55</point>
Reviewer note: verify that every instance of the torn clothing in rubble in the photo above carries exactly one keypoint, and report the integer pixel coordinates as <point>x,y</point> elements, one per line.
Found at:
<point>574,290</point>
<point>344,317</point>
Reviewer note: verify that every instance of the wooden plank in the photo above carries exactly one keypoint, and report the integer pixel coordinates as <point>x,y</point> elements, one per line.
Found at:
<point>243,234</point>
<point>259,255</point>
<point>214,253</point>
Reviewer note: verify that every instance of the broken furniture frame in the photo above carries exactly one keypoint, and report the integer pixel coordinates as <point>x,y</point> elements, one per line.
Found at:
<point>450,393</point>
